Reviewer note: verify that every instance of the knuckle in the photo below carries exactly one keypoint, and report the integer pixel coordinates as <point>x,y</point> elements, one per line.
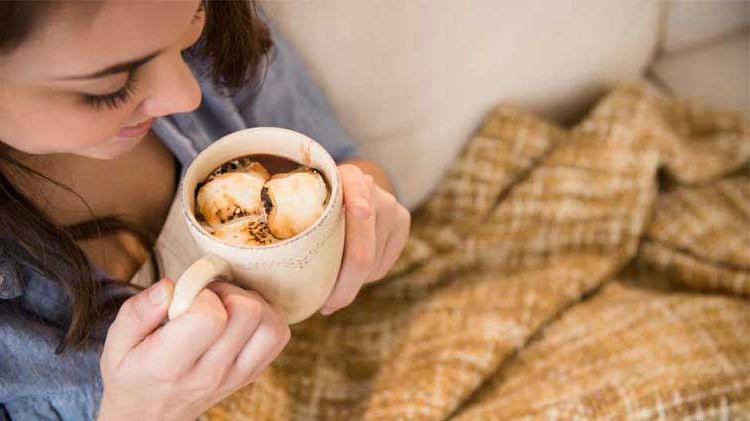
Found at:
<point>245,305</point>
<point>210,321</point>
<point>213,379</point>
<point>128,314</point>
<point>128,309</point>
<point>388,202</point>
<point>390,199</point>
<point>217,319</point>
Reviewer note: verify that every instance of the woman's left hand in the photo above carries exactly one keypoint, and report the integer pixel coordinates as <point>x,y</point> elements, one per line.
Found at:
<point>376,230</point>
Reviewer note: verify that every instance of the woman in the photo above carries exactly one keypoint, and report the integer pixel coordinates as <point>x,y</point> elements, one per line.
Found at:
<point>102,105</point>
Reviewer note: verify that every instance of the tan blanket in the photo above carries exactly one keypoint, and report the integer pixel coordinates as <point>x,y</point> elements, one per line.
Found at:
<point>598,272</point>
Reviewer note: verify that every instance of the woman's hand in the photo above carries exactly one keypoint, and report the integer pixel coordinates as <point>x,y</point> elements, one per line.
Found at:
<point>376,230</point>
<point>177,371</point>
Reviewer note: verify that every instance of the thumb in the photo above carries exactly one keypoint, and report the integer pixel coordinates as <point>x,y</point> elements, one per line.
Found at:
<point>138,317</point>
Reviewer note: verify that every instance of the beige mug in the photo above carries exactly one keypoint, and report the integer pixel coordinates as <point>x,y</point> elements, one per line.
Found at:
<point>296,275</point>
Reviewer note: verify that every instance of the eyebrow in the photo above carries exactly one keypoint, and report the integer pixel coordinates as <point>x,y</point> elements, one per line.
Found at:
<point>125,66</point>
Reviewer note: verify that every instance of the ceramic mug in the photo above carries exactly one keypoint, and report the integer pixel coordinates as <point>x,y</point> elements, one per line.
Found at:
<point>297,274</point>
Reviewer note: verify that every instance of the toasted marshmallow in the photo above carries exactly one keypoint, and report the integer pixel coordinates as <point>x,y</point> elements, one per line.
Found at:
<point>230,195</point>
<point>243,164</point>
<point>245,232</point>
<point>295,200</point>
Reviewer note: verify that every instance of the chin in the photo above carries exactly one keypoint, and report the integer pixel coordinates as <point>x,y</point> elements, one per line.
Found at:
<point>112,148</point>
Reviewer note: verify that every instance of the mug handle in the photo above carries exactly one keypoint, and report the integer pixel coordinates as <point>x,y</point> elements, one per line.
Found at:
<point>201,273</point>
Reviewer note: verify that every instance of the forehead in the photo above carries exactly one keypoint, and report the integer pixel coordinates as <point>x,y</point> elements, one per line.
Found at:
<point>80,37</point>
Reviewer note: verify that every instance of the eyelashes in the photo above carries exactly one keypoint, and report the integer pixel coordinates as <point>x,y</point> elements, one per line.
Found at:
<point>114,99</point>
<point>124,94</point>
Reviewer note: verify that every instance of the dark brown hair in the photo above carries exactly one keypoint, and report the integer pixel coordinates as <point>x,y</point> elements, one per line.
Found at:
<point>235,41</point>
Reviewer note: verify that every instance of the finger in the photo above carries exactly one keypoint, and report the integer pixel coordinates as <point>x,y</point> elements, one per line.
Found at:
<point>385,224</point>
<point>356,191</point>
<point>267,342</point>
<point>285,334</point>
<point>359,245</point>
<point>174,349</point>
<point>244,310</point>
<point>395,243</point>
<point>137,318</point>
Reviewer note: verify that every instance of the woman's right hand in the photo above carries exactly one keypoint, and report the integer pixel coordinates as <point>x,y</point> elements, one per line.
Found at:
<point>177,371</point>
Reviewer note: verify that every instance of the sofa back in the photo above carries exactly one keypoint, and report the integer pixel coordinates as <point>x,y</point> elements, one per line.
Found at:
<point>411,79</point>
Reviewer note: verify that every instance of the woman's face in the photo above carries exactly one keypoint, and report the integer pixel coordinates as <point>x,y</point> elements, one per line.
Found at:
<point>91,76</point>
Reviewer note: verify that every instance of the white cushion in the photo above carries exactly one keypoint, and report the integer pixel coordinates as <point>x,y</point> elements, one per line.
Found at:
<point>411,80</point>
<point>716,74</point>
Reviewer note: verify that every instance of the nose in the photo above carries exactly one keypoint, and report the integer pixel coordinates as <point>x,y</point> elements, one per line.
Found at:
<point>173,88</point>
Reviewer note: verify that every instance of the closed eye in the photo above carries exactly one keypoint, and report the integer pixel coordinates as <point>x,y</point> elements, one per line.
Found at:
<point>123,95</point>
<point>115,99</point>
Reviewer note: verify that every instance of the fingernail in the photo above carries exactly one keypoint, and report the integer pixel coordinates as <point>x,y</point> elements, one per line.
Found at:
<point>361,207</point>
<point>326,311</point>
<point>158,294</point>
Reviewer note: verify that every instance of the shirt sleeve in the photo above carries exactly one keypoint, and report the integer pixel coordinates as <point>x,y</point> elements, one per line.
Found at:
<point>36,383</point>
<point>288,97</point>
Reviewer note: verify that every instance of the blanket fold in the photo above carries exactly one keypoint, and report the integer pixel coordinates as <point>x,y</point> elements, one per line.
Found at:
<point>596,272</point>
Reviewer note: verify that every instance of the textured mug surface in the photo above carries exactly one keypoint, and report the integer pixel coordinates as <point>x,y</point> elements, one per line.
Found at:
<point>295,275</point>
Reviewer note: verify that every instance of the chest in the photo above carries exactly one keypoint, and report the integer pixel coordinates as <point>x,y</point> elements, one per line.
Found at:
<point>137,188</point>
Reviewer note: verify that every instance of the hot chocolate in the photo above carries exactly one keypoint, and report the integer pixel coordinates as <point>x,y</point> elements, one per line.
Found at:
<point>257,200</point>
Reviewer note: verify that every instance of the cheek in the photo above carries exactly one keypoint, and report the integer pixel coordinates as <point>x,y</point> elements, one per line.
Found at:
<point>41,127</point>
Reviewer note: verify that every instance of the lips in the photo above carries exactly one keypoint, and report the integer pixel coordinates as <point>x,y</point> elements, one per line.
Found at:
<point>137,130</point>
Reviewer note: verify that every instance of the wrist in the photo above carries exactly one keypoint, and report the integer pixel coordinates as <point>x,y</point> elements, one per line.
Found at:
<point>108,411</point>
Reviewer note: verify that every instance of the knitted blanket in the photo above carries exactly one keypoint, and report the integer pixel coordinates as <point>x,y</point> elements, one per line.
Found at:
<point>598,272</point>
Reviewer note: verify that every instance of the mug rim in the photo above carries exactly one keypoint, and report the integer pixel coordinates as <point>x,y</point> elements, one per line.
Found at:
<point>327,211</point>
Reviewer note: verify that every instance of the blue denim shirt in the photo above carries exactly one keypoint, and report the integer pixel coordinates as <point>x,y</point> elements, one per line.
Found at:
<point>37,384</point>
